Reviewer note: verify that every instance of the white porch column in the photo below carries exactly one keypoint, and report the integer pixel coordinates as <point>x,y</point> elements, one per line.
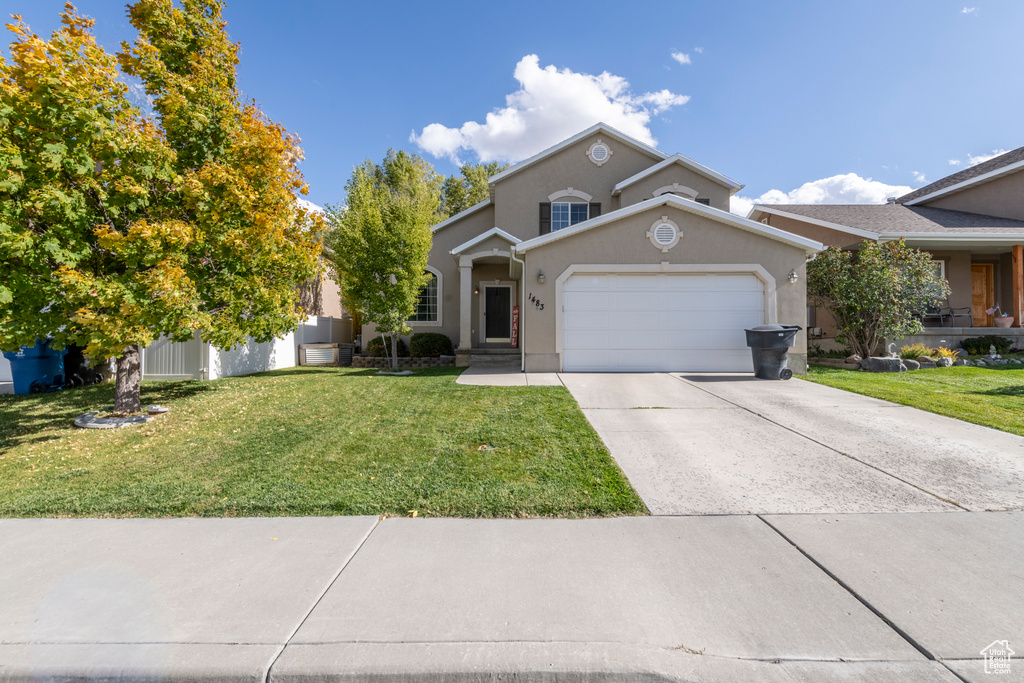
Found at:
<point>465,303</point>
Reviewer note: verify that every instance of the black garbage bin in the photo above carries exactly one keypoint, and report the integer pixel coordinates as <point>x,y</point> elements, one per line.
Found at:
<point>769,345</point>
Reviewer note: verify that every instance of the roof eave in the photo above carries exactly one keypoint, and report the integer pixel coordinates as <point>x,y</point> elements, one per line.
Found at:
<point>462,214</point>
<point>963,185</point>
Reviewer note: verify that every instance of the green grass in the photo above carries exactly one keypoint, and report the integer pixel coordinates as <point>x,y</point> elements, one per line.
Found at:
<point>312,441</point>
<point>992,396</point>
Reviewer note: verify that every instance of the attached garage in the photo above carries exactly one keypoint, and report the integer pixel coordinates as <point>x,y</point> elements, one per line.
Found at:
<point>629,322</point>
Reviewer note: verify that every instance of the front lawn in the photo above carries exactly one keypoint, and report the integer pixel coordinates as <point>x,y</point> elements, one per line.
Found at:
<point>993,396</point>
<point>312,441</point>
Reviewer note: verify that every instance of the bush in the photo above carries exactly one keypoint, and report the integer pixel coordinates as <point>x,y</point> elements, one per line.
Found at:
<point>913,351</point>
<point>943,352</point>
<point>977,346</point>
<point>375,347</point>
<point>815,351</point>
<point>430,345</point>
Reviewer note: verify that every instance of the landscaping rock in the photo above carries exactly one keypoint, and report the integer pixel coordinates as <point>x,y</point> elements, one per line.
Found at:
<point>980,363</point>
<point>925,359</point>
<point>960,362</point>
<point>854,359</point>
<point>881,364</point>
<point>944,362</point>
<point>928,366</point>
<point>912,364</point>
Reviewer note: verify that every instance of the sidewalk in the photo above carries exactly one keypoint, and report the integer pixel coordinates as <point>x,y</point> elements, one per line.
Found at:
<point>858,597</point>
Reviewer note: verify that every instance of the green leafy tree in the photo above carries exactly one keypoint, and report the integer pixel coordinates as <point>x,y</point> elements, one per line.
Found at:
<point>117,228</point>
<point>876,292</point>
<point>381,239</point>
<point>459,192</point>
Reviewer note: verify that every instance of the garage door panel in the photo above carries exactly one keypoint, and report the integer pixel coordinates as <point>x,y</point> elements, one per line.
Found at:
<point>660,322</point>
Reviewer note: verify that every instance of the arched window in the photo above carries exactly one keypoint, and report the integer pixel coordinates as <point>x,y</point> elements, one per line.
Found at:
<point>428,308</point>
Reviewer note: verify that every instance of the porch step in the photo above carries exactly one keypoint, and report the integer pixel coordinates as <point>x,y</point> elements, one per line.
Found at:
<point>489,358</point>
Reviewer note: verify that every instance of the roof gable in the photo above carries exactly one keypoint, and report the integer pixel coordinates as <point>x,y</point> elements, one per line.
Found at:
<point>808,245</point>
<point>484,236</point>
<point>602,128</point>
<point>999,166</point>
<point>685,162</point>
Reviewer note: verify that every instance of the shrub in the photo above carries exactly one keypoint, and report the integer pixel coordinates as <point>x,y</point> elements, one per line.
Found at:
<point>375,347</point>
<point>980,345</point>
<point>943,352</point>
<point>913,351</point>
<point>430,345</point>
<point>815,351</point>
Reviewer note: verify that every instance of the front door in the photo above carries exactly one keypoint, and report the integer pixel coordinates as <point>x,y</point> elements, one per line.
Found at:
<point>982,293</point>
<point>498,314</point>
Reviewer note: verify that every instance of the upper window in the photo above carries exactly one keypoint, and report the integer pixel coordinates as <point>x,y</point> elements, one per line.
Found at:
<point>426,307</point>
<point>939,266</point>
<point>564,214</point>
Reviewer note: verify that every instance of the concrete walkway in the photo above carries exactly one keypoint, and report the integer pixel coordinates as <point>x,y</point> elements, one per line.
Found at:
<point>766,598</point>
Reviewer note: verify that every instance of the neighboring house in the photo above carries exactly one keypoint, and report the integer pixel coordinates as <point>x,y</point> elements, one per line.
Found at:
<point>971,222</point>
<point>616,257</point>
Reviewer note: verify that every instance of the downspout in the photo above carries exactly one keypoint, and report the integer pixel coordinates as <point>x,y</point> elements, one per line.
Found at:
<point>522,308</point>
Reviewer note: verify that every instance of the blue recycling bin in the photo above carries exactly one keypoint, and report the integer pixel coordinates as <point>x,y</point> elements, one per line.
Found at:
<point>36,369</point>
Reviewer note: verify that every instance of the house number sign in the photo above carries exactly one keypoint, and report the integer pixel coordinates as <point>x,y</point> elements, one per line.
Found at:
<point>536,302</point>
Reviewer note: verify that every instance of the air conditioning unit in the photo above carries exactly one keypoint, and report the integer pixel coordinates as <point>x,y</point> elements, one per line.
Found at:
<point>326,354</point>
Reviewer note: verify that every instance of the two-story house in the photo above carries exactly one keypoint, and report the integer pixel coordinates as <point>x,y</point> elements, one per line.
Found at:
<point>604,254</point>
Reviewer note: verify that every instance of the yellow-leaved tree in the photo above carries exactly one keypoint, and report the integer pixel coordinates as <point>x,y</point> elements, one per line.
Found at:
<point>116,227</point>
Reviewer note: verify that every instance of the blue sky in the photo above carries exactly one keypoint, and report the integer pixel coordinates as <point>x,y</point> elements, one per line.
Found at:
<point>800,101</point>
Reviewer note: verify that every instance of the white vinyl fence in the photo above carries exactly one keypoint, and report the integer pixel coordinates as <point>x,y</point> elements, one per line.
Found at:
<point>196,359</point>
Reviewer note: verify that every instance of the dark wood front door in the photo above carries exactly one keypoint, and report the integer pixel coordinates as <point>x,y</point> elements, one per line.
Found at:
<point>982,293</point>
<point>498,314</point>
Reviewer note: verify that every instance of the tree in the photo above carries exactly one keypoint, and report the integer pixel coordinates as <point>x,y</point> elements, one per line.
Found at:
<point>381,239</point>
<point>470,187</point>
<point>874,293</point>
<point>117,228</point>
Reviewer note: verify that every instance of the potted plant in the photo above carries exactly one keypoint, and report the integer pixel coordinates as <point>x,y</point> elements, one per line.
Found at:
<point>1001,320</point>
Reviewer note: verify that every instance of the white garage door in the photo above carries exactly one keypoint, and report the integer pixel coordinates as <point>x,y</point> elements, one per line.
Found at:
<point>660,322</point>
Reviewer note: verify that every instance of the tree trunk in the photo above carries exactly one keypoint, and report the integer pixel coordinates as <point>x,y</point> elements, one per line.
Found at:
<point>128,384</point>
<point>394,352</point>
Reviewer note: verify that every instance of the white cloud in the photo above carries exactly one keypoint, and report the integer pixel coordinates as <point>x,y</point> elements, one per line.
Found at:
<point>848,188</point>
<point>681,57</point>
<point>549,106</point>
<point>955,162</point>
<point>969,10</point>
<point>981,158</point>
<point>919,177</point>
<point>309,206</point>
<point>699,50</point>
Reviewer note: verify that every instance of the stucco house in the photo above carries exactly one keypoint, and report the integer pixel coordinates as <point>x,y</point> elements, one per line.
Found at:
<point>971,222</point>
<point>602,253</point>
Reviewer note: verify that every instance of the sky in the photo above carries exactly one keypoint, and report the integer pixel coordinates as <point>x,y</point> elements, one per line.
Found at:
<point>802,102</point>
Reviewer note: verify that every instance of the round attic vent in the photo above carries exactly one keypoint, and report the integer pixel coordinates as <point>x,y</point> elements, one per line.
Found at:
<point>664,234</point>
<point>599,152</point>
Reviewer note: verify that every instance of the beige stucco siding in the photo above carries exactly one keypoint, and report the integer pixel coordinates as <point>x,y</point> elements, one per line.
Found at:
<point>625,242</point>
<point>1003,197</point>
<point>518,196</point>
<point>644,189</point>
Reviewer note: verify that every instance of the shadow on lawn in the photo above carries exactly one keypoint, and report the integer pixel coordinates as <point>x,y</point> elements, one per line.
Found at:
<point>24,419</point>
<point>1015,390</point>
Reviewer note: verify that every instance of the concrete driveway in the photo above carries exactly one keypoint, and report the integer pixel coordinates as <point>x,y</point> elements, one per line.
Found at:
<point>696,444</point>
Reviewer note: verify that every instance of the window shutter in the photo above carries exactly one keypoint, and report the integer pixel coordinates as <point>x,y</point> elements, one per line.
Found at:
<point>595,209</point>
<point>545,218</point>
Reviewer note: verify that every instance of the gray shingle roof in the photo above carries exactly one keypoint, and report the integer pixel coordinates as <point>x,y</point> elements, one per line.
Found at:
<point>993,164</point>
<point>902,220</point>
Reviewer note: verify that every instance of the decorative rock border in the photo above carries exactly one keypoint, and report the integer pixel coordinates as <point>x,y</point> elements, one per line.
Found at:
<point>405,363</point>
<point>90,421</point>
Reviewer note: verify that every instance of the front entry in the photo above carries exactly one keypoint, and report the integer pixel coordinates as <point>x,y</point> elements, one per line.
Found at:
<point>982,293</point>
<point>497,314</point>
